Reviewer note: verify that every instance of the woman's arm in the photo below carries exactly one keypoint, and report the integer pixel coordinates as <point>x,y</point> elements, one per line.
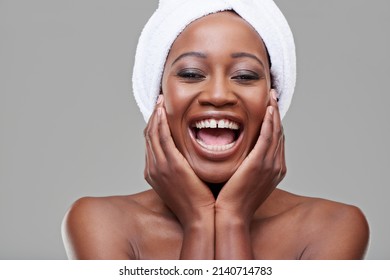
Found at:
<point>249,187</point>
<point>170,175</point>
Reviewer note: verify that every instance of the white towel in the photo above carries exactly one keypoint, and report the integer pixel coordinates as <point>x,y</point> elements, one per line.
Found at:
<point>172,16</point>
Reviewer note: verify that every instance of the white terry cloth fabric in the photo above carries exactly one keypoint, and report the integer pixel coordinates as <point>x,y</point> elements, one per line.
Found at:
<point>172,16</point>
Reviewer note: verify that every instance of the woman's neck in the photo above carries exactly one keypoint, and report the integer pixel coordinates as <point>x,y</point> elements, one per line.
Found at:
<point>215,188</point>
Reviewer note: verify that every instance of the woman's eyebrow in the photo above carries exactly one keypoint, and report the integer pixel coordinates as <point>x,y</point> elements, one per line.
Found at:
<point>244,54</point>
<point>196,54</point>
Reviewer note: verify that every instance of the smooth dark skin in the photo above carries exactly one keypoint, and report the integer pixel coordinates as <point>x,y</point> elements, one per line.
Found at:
<point>204,206</point>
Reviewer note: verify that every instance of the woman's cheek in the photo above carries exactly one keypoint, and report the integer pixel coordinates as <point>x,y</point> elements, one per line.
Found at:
<point>257,106</point>
<point>177,101</point>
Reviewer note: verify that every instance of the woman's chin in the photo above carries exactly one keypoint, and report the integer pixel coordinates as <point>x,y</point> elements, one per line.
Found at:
<point>214,172</point>
<point>214,177</point>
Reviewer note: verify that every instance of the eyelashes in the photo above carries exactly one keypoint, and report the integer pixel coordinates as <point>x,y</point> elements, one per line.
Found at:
<point>191,74</point>
<point>246,76</point>
<point>197,75</point>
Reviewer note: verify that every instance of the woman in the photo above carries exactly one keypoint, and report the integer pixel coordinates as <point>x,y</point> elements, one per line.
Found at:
<point>214,149</point>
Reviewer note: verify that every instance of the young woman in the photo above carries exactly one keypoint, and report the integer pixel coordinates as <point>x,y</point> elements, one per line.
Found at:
<point>214,158</point>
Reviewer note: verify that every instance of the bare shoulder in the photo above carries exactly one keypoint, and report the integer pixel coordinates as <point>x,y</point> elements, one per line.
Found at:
<point>102,227</point>
<point>332,230</point>
<point>340,231</point>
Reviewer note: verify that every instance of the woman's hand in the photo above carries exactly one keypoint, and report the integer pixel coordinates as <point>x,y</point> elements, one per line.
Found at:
<point>249,187</point>
<point>260,172</point>
<point>171,176</point>
<point>169,173</point>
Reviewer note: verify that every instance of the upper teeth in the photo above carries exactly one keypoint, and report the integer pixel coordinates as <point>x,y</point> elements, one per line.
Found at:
<point>213,123</point>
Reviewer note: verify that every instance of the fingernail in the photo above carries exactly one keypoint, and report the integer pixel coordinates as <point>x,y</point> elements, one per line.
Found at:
<point>270,110</point>
<point>273,92</point>
<point>159,99</point>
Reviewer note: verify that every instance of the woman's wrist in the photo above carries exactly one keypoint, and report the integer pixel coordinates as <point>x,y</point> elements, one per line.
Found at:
<point>232,237</point>
<point>227,220</point>
<point>199,220</point>
<point>229,215</point>
<point>199,236</point>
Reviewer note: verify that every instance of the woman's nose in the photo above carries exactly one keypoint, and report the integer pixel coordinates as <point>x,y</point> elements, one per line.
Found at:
<point>217,93</point>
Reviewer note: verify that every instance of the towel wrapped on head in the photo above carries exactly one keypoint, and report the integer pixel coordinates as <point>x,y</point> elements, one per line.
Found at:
<point>172,16</point>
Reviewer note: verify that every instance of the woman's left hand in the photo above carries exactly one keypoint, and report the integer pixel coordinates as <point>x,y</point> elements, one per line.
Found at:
<point>259,174</point>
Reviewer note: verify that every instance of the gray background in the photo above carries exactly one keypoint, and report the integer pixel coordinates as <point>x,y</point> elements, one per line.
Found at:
<point>69,126</point>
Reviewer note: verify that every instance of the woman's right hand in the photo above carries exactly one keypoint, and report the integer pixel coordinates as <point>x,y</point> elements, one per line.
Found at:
<point>170,174</point>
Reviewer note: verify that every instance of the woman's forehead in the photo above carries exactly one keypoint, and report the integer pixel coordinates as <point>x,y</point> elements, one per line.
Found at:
<point>219,31</point>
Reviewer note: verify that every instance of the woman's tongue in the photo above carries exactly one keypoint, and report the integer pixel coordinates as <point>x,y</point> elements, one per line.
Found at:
<point>216,136</point>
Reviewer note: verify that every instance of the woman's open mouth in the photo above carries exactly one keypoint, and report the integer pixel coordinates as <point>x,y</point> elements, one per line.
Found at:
<point>216,136</point>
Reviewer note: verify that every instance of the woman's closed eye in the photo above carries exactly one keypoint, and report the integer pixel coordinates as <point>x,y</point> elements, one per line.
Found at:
<point>191,75</point>
<point>246,76</point>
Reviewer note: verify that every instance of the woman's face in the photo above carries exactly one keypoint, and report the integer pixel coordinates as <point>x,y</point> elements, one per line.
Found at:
<point>216,86</point>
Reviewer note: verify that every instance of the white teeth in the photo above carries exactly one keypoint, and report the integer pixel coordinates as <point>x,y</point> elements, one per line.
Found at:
<point>215,148</point>
<point>213,123</point>
<point>233,125</point>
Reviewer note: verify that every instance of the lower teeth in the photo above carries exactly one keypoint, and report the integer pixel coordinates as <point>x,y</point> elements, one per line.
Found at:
<point>215,148</point>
